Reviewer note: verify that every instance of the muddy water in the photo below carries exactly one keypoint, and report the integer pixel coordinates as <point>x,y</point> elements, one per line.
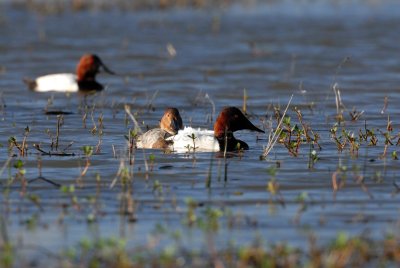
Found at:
<point>269,53</point>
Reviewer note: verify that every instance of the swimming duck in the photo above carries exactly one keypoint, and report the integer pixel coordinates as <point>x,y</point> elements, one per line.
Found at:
<point>84,79</point>
<point>156,138</point>
<point>230,119</point>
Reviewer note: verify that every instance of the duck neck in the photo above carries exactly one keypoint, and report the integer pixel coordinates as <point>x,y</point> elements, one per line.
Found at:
<point>86,76</point>
<point>86,71</point>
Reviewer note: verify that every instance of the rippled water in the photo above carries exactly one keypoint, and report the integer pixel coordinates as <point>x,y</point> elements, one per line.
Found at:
<point>218,55</point>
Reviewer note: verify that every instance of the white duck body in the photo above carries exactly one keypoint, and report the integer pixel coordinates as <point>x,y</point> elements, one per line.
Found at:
<point>63,82</point>
<point>204,141</point>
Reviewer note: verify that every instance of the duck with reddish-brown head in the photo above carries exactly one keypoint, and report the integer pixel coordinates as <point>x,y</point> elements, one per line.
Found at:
<point>230,119</point>
<point>84,80</point>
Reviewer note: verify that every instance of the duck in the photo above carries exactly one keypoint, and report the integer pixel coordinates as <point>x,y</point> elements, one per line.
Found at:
<point>156,138</point>
<point>229,120</point>
<point>83,81</point>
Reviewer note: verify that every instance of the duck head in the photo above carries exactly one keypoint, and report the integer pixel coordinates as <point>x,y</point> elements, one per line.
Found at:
<point>171,121</point>
<point>88,67</point>
<point>231,119</point>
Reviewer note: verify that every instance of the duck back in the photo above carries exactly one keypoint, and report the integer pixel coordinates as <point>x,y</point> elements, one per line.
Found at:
<point>202,139</point>
<point>63,82</point>
<point>153,139</point>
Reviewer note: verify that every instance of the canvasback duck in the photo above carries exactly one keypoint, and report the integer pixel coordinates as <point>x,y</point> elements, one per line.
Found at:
<point>156,138</point>
<point>230,119</point>
<point>84,80</point>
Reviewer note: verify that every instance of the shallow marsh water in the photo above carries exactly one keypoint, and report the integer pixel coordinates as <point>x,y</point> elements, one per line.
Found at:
<point>218,55</point>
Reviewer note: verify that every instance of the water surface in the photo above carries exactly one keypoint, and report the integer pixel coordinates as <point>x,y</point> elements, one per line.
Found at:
<point>218,54</point>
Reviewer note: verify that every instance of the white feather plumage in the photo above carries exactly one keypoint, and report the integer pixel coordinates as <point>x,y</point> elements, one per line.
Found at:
<point>204,141</point>
<point>63,82</point>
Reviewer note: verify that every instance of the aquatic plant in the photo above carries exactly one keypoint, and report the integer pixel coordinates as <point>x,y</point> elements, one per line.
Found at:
<point>23,146</point>
<point>19,176</point>
<point>190,147</point>
<point>274,136</point>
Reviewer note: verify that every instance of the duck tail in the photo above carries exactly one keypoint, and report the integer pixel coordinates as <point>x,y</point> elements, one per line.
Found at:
<point>30,83</point>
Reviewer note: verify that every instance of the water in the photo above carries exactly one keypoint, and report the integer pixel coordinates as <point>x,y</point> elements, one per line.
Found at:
<point>219,54</point>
